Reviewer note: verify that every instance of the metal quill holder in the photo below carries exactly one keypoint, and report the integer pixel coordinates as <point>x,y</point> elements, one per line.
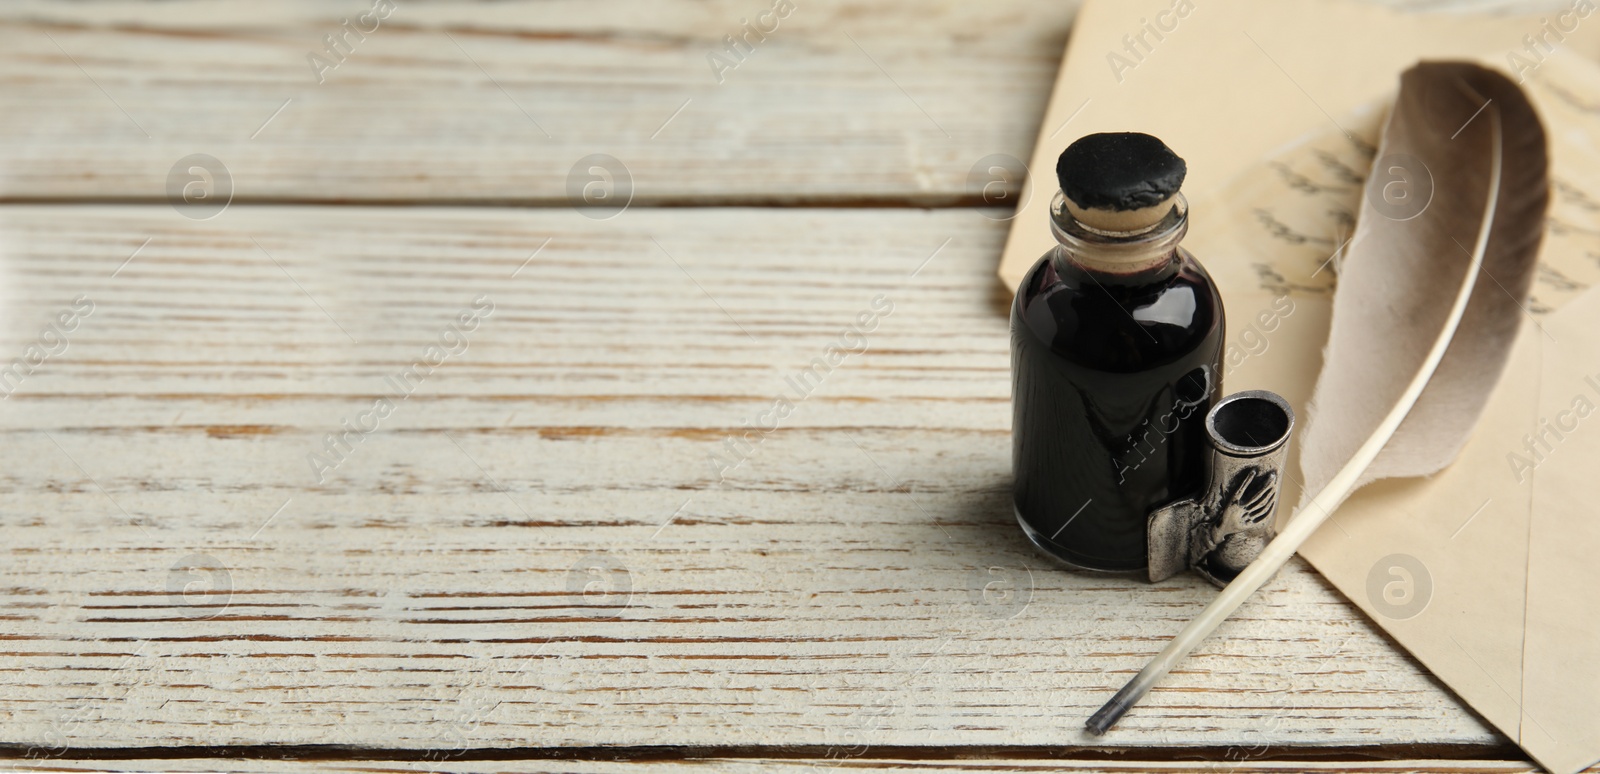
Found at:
<point>1227,524</point>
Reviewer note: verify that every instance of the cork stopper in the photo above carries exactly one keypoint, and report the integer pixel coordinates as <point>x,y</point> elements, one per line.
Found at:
<point>1119,181</point>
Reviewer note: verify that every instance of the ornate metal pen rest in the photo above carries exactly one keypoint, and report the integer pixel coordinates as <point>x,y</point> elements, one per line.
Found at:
<point>1227,524</point>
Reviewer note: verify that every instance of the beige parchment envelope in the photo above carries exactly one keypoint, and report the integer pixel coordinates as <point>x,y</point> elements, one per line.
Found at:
<point>1489,572</point>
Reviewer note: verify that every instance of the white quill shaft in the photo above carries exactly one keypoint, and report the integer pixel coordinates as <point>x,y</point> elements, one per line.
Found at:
<point>1307,519</point>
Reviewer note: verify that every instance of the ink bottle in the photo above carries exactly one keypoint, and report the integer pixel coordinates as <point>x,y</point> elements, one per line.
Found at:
<point>1116,342</point>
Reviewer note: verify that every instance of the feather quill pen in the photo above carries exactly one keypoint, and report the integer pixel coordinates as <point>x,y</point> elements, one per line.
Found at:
<point>1417,340</point>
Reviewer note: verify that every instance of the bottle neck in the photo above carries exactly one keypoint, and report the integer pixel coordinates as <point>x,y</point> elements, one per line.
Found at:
<point>1119,257</point>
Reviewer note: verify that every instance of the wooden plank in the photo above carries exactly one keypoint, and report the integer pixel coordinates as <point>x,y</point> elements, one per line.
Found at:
<point>1241,763</point>
<point>535,547</point>
<point>844,101</point>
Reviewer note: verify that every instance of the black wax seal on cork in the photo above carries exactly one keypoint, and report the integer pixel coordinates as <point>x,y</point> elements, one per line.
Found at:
<point>1119,171</point>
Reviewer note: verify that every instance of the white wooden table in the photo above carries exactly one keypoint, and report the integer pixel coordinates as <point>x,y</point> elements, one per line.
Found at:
<point>531,560</point>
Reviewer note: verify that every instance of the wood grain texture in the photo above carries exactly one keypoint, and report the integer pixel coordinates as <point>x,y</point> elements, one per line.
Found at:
<point>857,580</point>
<point>845,101</point>
<point>496,102</point>
<point>869,764</point>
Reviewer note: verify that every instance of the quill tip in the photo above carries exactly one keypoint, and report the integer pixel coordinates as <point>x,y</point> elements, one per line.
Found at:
<point>1107,716</point>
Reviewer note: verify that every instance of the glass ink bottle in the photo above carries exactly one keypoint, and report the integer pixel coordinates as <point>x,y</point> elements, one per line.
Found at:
<point>1116,342</point>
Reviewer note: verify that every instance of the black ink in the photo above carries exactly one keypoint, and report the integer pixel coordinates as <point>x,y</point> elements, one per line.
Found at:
<point>1112,376</point>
